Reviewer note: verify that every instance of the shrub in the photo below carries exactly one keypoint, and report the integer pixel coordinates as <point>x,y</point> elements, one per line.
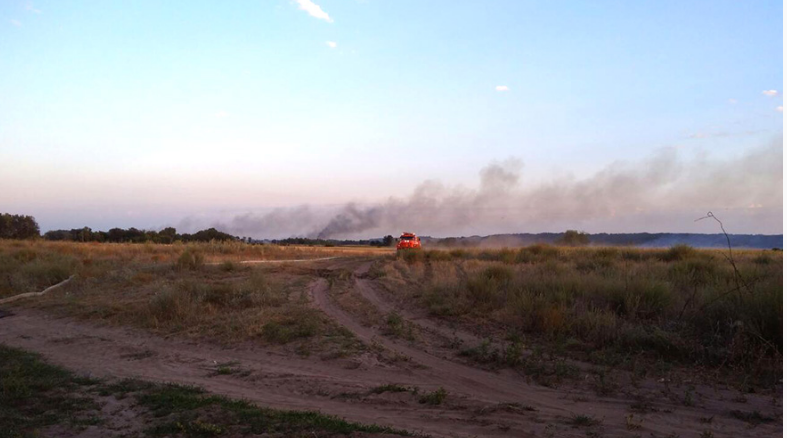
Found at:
<point>168,305</point>
<point>678,252</point>
<point>485,288</point>
<point>49,270</point>
<point>650,339</point>
<point>190,259</point>
<point>437,255</point>
<point>289,329</point>
<point>648,298</point>
<point>763,259</point>
<point>434,398</point>
<point>442,299</point>
<point>411,255</point>
<point>543,250</point>
<point>459,254</point>
<point>498,273</point>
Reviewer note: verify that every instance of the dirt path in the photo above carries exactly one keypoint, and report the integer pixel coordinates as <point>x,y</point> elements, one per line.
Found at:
<point>273,380</point>
<point>507,387</point>
<point>472,408</point>
<point>371,293</point>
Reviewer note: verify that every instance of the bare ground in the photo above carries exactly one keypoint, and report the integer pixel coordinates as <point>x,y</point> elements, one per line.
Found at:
<point>479,402</point>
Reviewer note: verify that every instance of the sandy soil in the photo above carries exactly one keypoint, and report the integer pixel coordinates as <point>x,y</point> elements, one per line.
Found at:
<point>479,402</point>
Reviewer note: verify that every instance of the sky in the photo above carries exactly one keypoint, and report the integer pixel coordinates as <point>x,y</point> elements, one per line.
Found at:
<point>279,118</point>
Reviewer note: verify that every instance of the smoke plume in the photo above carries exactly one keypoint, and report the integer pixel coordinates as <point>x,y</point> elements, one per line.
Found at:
<point>662,193</point>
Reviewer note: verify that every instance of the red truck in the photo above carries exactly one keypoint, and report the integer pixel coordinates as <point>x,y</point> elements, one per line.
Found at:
<point>408,241</point>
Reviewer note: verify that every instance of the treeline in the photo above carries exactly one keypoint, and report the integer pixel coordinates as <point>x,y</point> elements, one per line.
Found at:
<point>16,226</point>
<point>133,235</point>
<point>385,241</point>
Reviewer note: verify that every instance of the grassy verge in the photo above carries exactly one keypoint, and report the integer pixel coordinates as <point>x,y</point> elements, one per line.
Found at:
<point>36,395</point>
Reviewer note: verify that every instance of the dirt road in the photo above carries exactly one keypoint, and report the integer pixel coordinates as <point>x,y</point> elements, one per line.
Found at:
<point>479,402</point>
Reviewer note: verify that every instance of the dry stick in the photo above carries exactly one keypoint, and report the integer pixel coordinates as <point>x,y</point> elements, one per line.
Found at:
<point>35,294</point>
<point>738,277</point>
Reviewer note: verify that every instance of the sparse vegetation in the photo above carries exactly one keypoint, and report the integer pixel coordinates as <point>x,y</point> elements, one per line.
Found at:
<point>583,421</point>
<point>34,394</point>
<point>392,387</point>
<point>178,289</point>
<point>398,327</point>
<point>678,305</point>
<point>753,417</point>
<point>434,398</point>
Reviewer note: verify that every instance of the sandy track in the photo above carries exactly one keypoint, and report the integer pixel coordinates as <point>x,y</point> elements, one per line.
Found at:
<point>275,380</point>
<point>371,293</point>
<point>507,387</point>
<point>282,381</point>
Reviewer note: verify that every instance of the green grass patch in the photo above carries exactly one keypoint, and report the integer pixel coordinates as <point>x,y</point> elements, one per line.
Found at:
<point>34,394</point>
<point>190,411</point>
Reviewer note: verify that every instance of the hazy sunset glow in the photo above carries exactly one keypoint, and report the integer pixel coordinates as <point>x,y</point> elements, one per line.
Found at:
<point>268,118</point>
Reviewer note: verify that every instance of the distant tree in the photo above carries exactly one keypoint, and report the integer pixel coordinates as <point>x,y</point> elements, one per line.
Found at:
<point>57,235</point>
<point>211,234</point>
<point>84,234</point>
<point>388,240</point>
<point>574,238</point>
<point>17,226</point>
<point>167,235</point>
<point>115,235</point>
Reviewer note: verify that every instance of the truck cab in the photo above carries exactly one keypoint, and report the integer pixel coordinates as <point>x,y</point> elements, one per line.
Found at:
<point>408,241</point>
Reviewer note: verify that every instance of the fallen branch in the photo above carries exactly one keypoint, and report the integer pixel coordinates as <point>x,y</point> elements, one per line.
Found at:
<point>35,294</point>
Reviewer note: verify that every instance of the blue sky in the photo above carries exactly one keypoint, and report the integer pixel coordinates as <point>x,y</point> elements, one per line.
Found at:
<point>144,113</point>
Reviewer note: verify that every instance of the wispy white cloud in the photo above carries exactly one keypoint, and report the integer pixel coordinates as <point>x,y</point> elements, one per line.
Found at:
<point>722,134</point>
<point>502,88</point>
<point>30,8</point>
<point>770,93</point>
<point>331,44</point>
<point>732,101</point>
<point>222,114</point>
<point>16,23</point>
<point>780,109</point>
<point>314,10</point>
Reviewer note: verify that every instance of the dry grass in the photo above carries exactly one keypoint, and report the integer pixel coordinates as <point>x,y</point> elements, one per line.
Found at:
<point>609,305</point>
<point>612,306</point>
<point>196,290</point>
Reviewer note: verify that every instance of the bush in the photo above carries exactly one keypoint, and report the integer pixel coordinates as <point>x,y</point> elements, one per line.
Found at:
<point>290,329</point>
<point>484,289</point>
<point>574,238</point>
<point>498,273</point>
<point>763,259</point>
<point>459,254</point>
<point>678,252</point>
<point>411,255</point>
<point>543,251</point>
<point>227,266</point>
<point>434,398</point>
<point>437,255</point>
<point>190,260</point>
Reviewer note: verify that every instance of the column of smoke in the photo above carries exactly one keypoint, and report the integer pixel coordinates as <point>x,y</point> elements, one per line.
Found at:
<point>638,196</point>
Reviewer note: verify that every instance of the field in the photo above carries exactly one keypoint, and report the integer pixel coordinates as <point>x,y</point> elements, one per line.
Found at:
<point>534,341</point>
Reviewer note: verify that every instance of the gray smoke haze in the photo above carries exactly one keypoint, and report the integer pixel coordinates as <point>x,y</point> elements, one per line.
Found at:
<point>662,193</point>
